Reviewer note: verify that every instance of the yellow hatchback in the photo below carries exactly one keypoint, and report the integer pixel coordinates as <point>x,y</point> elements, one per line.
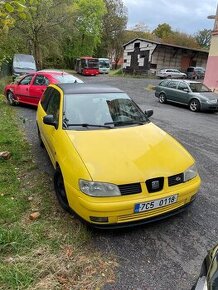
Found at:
<point>113,166</point>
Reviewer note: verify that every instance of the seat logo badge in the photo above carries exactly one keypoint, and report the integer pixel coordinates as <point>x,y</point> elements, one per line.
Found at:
<point>155,184</point>
<point>178,178</point>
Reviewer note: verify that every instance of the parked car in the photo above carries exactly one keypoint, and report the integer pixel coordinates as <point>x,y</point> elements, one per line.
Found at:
<point>208,278</point>
<point>195,73</point>
<point>111,162</point>
<point>171,73</point>
<point>28,89</point>
<point>193,94</point>
<point>23,64</point>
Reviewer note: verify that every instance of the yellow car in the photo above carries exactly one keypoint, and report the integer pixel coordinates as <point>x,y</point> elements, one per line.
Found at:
<point>113,166</point>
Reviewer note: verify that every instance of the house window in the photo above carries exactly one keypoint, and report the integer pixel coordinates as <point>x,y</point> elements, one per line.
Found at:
<point>137,44</point>
<point>153,65</point>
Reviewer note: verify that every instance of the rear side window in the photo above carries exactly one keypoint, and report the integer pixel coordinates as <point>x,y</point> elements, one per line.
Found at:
<point>41,80</point>
<point>190,69</point>
<point>182,86</point>
<point>46,97</point>
<point>172,85</point>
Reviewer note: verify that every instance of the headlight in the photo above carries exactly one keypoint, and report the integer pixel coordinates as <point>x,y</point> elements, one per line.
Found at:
<point>212,101</point>
<point>190,173</point>
<point>93,188</point>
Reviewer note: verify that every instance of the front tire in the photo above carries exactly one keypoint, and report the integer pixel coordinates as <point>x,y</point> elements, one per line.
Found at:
<point>162,98</point>
<point>194,105</point>
<point>60,190</point>
<point>10,99</point>
<point>40,138</point>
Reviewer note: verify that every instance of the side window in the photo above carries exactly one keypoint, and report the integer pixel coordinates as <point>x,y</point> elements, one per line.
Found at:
<point>172,85</point>
<point>41,80</point>
<point>46,97</point>
<point>53,107</point>
<point>182,86</point>
<point>26,80</point>
<point>164,83</point>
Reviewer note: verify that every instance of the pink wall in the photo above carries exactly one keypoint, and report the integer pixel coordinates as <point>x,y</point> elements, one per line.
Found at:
<point>211,75</point>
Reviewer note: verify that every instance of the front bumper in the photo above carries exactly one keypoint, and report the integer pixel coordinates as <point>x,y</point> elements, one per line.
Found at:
<point>209,107</point>
<point>120,210</point>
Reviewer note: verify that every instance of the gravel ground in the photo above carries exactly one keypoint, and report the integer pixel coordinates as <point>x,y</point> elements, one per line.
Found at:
<point>166,255</point>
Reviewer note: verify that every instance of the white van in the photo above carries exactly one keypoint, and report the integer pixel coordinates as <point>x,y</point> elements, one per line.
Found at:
<point>22,64</point>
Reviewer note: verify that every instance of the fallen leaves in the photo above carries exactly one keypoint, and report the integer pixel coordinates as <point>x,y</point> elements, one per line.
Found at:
<point>34,215</point>
<point>5,155</point>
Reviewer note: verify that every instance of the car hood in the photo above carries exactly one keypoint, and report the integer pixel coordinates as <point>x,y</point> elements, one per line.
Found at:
<point>209,96</point>
<point>128,155</point>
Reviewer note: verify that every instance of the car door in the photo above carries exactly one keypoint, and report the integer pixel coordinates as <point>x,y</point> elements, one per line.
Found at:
<point>22,89</point>
<point>37,88</point>
<point>183,93</point>
<point>48,132</point>
<point>171,90</point>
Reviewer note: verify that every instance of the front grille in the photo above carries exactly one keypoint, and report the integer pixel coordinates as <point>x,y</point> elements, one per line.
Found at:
<point>131,188</point>
<point>175,179</point>
<point>155,184</point>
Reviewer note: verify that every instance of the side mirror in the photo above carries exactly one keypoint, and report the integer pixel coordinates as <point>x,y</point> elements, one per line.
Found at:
<point>186,90</point>
<point>149,113</point>
<point>49,120</point>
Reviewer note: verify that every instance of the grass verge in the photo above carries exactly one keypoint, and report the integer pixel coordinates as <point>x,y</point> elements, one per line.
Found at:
<point>52,251</point>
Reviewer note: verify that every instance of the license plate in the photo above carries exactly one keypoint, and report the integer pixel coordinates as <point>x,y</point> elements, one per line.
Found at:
<point>144,206</point>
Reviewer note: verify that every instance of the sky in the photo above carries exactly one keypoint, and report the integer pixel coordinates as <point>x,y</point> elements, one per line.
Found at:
<point>188,16</point>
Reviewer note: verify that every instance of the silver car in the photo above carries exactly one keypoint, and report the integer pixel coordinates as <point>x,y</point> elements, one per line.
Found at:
<point>171,73</point>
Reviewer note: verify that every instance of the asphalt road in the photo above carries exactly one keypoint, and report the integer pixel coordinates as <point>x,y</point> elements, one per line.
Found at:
<point>166,255</point>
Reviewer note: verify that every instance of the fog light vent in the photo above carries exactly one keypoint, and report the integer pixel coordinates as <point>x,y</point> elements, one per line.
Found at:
<point>99,219</point>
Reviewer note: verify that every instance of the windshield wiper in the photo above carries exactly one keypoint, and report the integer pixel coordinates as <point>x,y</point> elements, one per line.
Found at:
<point>85,125</point>
<point>126,123</point>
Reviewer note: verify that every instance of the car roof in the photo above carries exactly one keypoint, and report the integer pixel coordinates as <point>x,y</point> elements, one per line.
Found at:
<point>51,71</point>
<point>184,81</point>
<point>75,88</point>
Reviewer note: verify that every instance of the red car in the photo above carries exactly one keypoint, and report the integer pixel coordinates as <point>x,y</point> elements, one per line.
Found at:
<point>29,88</point>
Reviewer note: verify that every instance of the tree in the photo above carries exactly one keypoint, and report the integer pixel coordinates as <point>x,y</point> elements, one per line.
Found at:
<point>140,27</point>
<point>114,24</point>
<point>83,34</point>
<point>132,34</point>
<point>203,38</point>
<point>7,11</point>
<point>42,27</point>
<point>182,39</point>
<point>163,30</point>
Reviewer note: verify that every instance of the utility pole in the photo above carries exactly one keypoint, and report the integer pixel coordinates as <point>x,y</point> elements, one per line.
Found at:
<point>211,74</point>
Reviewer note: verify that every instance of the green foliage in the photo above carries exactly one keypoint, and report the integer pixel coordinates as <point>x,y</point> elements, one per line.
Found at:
<point>203,38</point>
<point>114,24</point>
<point>167,35</point>
<point>8,10</point>
<point>182,39</point>
<point>84,34</point>
<point>163,30</point>
<point>132,34</point>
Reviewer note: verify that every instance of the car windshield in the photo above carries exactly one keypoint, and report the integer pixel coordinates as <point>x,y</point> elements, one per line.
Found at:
<point>101,110</point>
<point>24,65</point>
<point>199,88</point>
<point>64,78</point>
